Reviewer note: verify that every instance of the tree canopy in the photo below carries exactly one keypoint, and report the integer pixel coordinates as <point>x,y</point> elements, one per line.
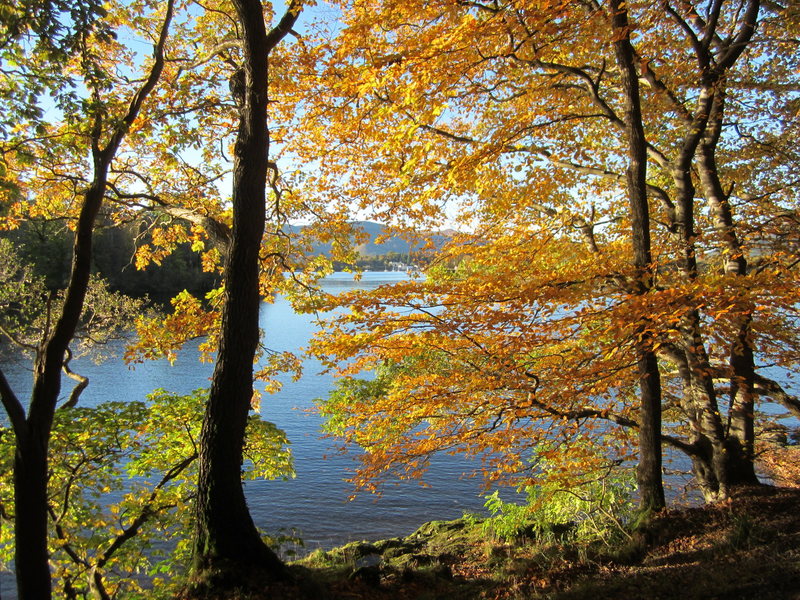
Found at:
<point>508,118</point>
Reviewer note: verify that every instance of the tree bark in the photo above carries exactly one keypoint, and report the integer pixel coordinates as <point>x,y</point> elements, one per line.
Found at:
<point>651,488</point>
<point>741,411</point>
<point>30,499</point>
<point>710,463</point>
<point>226,539</point>
<point>30,460</point>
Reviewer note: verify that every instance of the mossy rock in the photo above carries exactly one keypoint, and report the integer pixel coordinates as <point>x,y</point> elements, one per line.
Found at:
<point>395,546</point>
<point>349,553</point>
<point>416,560</point>
<point>395,552</point>
<point>437,528</point>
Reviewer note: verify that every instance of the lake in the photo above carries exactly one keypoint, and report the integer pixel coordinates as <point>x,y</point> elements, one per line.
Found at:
<point>315,503</point>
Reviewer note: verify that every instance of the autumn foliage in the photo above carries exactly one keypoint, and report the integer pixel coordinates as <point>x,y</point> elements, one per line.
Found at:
<point>506,119</point>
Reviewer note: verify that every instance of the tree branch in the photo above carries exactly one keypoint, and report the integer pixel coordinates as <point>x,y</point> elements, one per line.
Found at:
<point>146,512</point>
<point>14,409</point>
<point>284,27</point>
<point>149,84</point>
<point>773,389</point>
<point>15,340</point>
<point>82,380</point>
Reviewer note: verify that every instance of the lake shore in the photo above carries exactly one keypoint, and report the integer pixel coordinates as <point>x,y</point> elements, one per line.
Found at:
<point>747,547</point>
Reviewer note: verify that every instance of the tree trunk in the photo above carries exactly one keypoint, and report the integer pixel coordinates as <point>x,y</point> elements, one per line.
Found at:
<point>705,461</point>
<point>651,488</point>
<point>728,455</point>
<point>30,517</point>
<point>225,532</point>
<point>741,417</point>
<point>648,472</point>
<point>226,539</point>
<point>705,448</point>
<point>32,434</point>
<point>711,464</point>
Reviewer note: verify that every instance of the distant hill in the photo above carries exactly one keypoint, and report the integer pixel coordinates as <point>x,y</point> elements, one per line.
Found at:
<point>392,244</point>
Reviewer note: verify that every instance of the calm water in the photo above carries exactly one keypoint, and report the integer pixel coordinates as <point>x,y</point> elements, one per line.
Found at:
<point>315,503</point>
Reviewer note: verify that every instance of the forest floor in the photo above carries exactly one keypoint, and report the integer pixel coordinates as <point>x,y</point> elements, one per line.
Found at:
<point>744,548</point>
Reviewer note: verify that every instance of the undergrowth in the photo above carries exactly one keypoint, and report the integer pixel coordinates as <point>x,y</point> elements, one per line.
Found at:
<point>598,511</point>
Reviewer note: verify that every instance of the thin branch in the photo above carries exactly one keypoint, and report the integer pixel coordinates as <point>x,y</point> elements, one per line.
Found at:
<point>646,72</point>
<point>15,340</point>
<point>700,51</point>
<point>149,84</point>
<point>147,511</point>
<point>82,380</point>
<point>61,534</point>
<point>218,49</point>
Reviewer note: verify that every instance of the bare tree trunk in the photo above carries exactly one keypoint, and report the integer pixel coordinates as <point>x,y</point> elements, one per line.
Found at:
<point>741,412</point>
<point>714,55</point>
<point>741,430</point>
<point>30,498</point>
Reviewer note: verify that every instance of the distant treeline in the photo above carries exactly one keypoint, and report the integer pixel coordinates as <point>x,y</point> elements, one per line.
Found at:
<point>47,245</point>
<point>391,261</point>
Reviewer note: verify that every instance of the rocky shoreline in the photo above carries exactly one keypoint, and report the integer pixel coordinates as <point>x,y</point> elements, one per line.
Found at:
<point>748,547</point>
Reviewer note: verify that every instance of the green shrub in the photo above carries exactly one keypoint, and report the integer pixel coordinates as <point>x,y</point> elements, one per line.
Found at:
<point>595,510</point>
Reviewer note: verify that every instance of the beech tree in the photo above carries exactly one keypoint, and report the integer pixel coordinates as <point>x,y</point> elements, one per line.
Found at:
<point>509,118</point>
<point>225,537</point>
<point>651,488</point>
